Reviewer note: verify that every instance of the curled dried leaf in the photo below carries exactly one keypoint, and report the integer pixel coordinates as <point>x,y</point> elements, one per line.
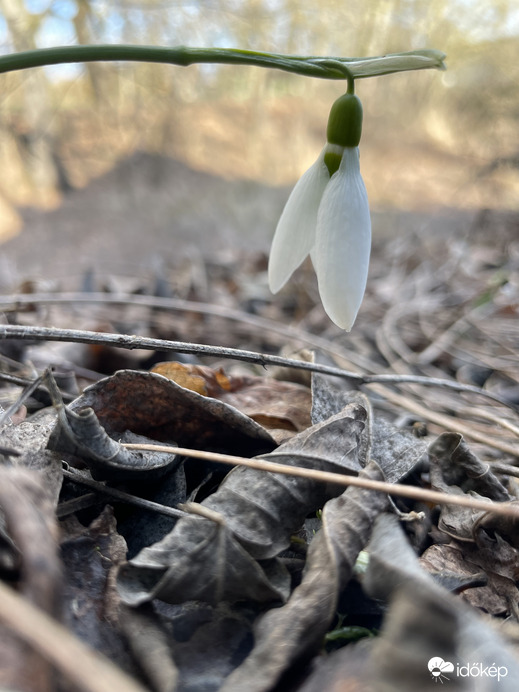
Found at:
<point>81,435</point>
<point>460,466</point>
<point>394,575</point>
<point>283,408</point>
<point>396,451</point>
<point>199,560</point>
<point>151,405</point>
<point>253,515</point>
<point>297,629</point>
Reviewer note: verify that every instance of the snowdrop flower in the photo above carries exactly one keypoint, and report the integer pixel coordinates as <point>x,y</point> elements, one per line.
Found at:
<point>327,217</point>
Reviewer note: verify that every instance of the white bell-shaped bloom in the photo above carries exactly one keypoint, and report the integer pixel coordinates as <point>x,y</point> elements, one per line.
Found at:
<point>294,238</point>
<point>328,218</point>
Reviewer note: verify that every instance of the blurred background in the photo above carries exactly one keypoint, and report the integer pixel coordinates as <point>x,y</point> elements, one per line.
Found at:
<point>124,153</point>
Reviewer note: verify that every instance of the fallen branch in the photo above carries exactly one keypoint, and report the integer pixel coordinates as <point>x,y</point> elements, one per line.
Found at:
<point>133,342</point>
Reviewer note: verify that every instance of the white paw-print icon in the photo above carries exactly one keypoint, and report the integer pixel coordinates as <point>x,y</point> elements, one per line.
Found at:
<point>438,667</point>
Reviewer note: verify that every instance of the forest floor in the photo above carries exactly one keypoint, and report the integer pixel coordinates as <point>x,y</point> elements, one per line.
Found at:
<point>214,596</point>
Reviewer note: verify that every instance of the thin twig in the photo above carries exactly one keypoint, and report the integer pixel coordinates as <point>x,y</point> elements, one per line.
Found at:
<point>8,452</point>
<point>504,469</point>
<point>64,509</point>
<point>408,491</point>
<point>121,496</point>
<point>27,382</point>
<point>13,303</point>
<point>5,416</point>
<point>131,342</point>
<point>488,415</point>
<point>349,359</point>
<point>446,421</point>
<point>445,340</point>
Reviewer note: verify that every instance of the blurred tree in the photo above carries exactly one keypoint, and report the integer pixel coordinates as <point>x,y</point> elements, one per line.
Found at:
<point>31,123</point>
<point>82,21</point>
<point>268,123</point>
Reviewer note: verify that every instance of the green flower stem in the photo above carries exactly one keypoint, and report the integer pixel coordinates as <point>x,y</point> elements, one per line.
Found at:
<point>312,66</point>
<point>348,633</point>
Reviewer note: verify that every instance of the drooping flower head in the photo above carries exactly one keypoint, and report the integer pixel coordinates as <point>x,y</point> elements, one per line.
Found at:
<point>327,217</point>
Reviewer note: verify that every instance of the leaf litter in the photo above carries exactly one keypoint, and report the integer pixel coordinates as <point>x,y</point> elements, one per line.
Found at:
<point>239,589</point>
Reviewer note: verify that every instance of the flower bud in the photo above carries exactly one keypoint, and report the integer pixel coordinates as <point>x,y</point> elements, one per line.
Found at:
<point>345,121</point>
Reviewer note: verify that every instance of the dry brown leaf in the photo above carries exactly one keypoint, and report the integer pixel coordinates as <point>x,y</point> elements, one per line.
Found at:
<point>82,436</point>
<point>425,621</point>
<point>90,556</point>
<point>475,536</point>
<point>151,405</point>
<point>441,560</point>
<point>198,378</point>
<point>460,466</point>
<point>283,408</point>
<point>29,439</point>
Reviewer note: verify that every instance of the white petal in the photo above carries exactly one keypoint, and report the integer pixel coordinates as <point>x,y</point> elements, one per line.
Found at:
<point>295,232</point>
<point>343,242</point>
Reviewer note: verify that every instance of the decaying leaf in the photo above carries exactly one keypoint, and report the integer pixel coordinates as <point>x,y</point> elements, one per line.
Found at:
<point>460,466</point>
<point>200,560</point>
<point>425,622</point>
<point>419,628</point>
<point>396,451</point>
<point>151,405</point>
<point>206,642</point>
<point>280,503</point>
<point>151,646</point>
<point>283,408</point>
<point>29,440</point>
<point>253,515</point>
<point>507,527</point>
<point>297,629</point>
<point>476,540</point>
<point>449,566</point>
<point>500,562</point>
<point>90,556</point>
<point>198,378</point>
<point>454,521</point>
<point>81,435</point>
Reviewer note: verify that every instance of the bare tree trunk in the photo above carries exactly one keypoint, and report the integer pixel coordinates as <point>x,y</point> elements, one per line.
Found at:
<point>33,131</point>
<point>84,37</point>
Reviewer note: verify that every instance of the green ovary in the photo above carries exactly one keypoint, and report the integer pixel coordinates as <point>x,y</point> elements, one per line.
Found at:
<point>345,121</point>
<point>332,161</point>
